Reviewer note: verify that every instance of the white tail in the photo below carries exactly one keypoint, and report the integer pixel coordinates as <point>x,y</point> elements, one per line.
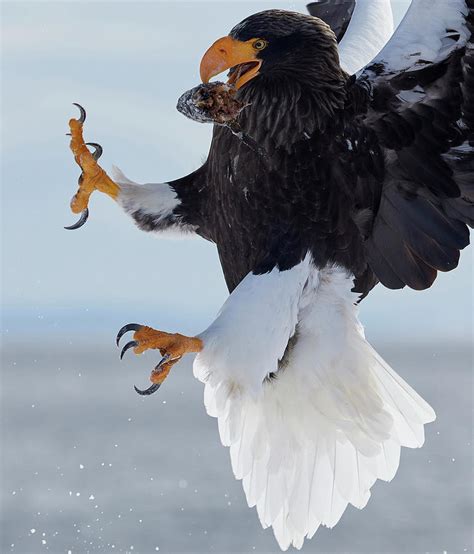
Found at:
<point>329,424</point>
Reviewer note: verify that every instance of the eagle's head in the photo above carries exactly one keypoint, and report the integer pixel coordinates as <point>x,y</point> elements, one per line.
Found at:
<point>285,66</point>
<point>274,45</point>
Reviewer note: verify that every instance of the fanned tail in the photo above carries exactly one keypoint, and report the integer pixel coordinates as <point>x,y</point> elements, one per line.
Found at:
<point>326,427</point>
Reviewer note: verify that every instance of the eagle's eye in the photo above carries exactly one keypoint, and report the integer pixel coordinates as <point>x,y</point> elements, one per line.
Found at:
<point>260,44</point>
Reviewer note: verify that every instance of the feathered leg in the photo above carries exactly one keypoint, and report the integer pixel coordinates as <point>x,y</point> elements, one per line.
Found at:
<point>312,426</point>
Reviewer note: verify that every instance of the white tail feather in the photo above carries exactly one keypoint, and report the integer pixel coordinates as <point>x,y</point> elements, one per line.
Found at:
<point>326,427</point>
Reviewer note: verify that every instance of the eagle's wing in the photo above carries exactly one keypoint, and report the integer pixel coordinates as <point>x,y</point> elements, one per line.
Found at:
<point>418,111</point>
<point>336,13</point>
<point>362,28</point>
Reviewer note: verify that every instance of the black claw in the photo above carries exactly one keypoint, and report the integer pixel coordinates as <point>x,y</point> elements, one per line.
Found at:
<point>163,360</point>
<point>126,329</point>
<point>98,150</point>
<point>80,222</point>
<point>149,390</point>
<point>129,345</point>
<point>82,110</point>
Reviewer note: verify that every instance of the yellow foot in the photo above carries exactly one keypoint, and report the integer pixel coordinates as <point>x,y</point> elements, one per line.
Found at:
<point>93,177</point>
<point>172,347</point>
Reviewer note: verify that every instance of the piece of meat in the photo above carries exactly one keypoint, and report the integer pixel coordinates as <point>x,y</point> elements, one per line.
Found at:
<point>217,103</point>
<point>211,103</point>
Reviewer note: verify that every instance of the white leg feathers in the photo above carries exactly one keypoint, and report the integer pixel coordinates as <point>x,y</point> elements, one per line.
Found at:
<point>318,434</point>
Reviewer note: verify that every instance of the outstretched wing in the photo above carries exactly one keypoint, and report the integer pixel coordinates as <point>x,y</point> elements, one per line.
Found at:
<point>418,108</point>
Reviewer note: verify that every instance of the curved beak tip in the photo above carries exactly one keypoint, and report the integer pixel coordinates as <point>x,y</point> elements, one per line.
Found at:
<point>215,59</point>
<point>226,53</point>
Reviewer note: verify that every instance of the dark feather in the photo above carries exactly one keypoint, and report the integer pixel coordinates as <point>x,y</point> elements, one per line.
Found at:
<point>423,119</point>
<point>336,13</point>
<point>374,173</point>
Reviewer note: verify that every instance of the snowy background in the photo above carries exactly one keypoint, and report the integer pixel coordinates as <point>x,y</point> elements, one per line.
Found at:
<point>87,465</point>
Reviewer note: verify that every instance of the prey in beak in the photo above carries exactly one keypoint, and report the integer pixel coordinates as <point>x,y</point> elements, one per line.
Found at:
<point>229,53</point>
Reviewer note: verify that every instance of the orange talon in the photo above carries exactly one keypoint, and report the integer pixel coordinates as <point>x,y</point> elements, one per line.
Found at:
<point>172,346</point>
<point>158,376</point>
<point>93,177</point>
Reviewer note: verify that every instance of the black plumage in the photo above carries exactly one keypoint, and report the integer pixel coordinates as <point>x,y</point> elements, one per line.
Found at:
<point>336,13</point>
<point>374,173</point>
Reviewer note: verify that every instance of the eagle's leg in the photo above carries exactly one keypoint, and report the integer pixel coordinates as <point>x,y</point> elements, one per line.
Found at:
<point>93,177</point>
<point>172,347</point>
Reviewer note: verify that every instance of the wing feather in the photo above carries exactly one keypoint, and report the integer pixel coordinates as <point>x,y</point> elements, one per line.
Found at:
<point>336,13</point>
<point>420,92</point>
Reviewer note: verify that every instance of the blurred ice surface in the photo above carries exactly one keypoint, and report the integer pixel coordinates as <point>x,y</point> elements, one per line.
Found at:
<point>91,466</point>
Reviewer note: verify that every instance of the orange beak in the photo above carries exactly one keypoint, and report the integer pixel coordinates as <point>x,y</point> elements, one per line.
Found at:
<point>228,53</point>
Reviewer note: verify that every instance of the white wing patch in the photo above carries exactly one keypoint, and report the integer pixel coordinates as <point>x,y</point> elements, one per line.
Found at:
<point>317,436</point>
<point>370,28</point>
<point>430,32</point>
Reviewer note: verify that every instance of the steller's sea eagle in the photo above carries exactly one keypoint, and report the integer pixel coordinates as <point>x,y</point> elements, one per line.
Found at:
<point>368,178</point>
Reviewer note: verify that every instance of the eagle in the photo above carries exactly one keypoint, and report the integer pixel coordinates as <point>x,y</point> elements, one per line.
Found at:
<point>368,179</point>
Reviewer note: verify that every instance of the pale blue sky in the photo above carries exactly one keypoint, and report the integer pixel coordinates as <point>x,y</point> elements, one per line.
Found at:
<point>127,63</point>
